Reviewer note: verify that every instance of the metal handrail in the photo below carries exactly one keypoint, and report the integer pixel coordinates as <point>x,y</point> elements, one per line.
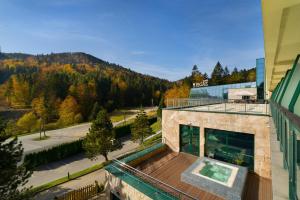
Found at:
<point>174,191</point>
<point>228,106</point>
<point>190,102</point>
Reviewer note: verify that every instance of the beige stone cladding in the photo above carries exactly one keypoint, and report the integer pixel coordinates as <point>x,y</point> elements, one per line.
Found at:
<point>259,125</point>
<point>124,190</point>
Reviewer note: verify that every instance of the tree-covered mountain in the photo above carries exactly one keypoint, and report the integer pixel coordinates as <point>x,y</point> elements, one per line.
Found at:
<point>56,85</point>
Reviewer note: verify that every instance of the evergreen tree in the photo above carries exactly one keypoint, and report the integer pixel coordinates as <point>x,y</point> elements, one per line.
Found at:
<point>95,110</point>
<point>195,70</point>
<point>140,127</point>
<point>217,75</point>
<point>99,139</point>
<point>13,176</point>
<point>236,76</point>
<point>226,75</point>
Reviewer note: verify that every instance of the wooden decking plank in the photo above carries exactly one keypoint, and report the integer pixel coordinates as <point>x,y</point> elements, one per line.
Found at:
<point>168,167</point>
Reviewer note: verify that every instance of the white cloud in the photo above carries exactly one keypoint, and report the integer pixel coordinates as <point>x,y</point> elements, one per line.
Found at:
<point>170,73</point>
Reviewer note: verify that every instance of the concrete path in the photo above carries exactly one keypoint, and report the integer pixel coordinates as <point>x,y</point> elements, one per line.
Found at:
<point>151,136</point>
<point>88,179</point>
<point>60,136</point>
<point>56,170</point>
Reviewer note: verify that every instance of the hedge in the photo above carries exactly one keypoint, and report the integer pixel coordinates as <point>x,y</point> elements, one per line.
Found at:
<point>53,154</point>
<point>65,150</point>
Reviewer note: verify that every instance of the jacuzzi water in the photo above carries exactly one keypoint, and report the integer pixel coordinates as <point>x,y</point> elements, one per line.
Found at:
<point>216,172</point>
<point>221,178</point>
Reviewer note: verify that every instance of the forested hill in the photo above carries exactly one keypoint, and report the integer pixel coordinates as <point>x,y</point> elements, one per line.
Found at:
<point>77,79</point>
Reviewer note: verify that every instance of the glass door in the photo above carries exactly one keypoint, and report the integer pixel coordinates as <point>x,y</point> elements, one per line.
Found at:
<point>190,139</point>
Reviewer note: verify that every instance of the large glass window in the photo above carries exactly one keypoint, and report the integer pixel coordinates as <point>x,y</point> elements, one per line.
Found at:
<point>232,147</point>
<point>189,139</point>
<point>218,91</point>
<point>260,77</point>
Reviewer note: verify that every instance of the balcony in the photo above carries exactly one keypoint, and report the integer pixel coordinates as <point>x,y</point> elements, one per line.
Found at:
<point>156,173</point>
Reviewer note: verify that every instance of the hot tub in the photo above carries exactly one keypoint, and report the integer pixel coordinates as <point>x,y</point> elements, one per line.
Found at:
<point>223,179</point>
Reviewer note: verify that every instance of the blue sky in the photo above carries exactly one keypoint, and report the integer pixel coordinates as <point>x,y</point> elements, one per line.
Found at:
<point>164,38</point>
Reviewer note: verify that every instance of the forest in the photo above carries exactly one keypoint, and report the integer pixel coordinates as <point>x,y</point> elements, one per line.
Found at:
<point>219,76</point>
<point>61,89</point>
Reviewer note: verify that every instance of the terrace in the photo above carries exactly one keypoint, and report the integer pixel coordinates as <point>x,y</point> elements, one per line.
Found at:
<point>156,173</point>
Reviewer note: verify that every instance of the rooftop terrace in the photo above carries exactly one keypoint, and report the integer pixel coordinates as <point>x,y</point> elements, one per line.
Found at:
<point>162,170</point>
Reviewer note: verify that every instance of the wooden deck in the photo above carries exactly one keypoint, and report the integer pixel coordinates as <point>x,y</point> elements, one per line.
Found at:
<point>168,167</point>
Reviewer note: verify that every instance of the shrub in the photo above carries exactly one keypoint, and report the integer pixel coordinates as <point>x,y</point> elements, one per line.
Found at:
<point>56,153</point>
<point>78,118</point>
<point>65,150</point>
<point>28,122</point>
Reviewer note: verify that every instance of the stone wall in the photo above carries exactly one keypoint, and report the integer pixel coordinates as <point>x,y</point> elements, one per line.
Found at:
<point>122,189</point>
<point>258,125</point>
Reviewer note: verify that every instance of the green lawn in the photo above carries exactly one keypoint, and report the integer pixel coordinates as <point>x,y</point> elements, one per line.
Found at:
<point>156,126</point>
<point>119,115</point>
<point>154,140</point>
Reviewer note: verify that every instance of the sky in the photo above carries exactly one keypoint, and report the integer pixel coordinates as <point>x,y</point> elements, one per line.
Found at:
<point>163,38</point>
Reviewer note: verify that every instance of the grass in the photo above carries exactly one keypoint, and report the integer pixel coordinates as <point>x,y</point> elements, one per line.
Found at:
<point>151,141</point>
<point>119,115</point>
<point>156,126</point>
<point>116,118</point>
<point>44,137</point>
<point>65,179</point>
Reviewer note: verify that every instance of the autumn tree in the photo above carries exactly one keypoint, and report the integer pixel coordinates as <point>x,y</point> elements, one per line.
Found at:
<point>20,95</point>
<point>28,122</point>
<point>13,175</point>
<point>177,91</point>
<point>41,110</point>
<point>99,139</point>
<point>68,110</point>
<point>140,127</point>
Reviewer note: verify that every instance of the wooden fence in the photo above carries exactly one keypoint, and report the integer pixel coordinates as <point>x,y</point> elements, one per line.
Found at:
<point>83,193</point>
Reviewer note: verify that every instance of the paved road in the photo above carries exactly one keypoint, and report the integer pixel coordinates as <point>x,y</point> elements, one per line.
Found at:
<point>75,163</point>
<point>59,136</point>
<point>56,170</point>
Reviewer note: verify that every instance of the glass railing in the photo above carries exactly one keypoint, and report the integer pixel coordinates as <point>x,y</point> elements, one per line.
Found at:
<point>187,102</point>
<point>142,153</point>
<point>285,109</point>
<point>218,105</point>
<point>130,178</point>
<point>148,185</point>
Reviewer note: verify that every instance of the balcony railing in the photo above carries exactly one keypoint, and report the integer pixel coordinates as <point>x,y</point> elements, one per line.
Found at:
<point>188,102</point>
<point>219,105</point>
<point>164,188</point>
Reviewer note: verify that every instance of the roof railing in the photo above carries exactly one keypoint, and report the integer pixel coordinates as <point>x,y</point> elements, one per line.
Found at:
<point>191,102</point>
<point>153,181</point>
<point>220,105</point>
